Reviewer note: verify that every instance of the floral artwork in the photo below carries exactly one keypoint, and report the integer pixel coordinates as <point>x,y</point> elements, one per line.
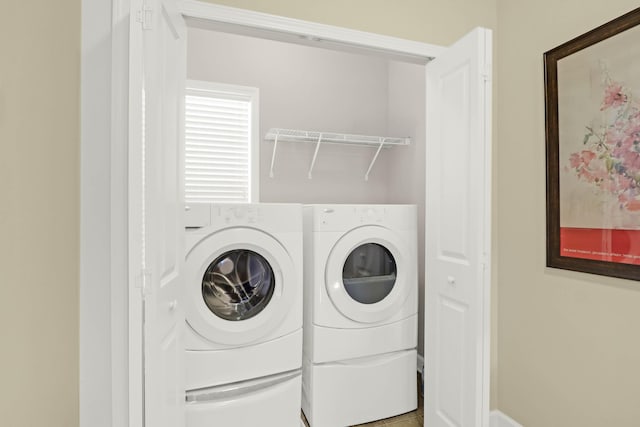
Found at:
<point>610,159</point>
<point>592,125</point>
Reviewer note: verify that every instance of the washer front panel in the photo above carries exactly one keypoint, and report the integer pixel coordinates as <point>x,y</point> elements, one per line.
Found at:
<point>230,314</point>
<point>380,284</point>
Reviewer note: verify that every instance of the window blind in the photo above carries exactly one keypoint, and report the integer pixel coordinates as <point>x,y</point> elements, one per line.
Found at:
<point>218,135</point>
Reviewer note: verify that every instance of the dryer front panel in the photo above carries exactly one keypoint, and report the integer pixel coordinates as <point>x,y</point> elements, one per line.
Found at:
<point>369,274</point>
<point>241,285</point>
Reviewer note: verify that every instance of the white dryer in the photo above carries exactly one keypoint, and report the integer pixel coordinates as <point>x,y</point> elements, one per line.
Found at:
<point>360,313</point>
<point>244,314</point>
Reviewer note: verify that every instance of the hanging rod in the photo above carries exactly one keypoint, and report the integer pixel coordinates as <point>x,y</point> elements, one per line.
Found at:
<point>293,135</point>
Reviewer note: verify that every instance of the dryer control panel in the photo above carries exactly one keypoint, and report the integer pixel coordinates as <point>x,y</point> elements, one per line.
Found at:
<point>346,217</point>
<point>370,214</point>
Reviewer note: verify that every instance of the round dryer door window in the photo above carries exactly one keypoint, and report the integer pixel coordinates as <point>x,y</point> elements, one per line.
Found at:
<point>238,285</point>
<point>369,273</point>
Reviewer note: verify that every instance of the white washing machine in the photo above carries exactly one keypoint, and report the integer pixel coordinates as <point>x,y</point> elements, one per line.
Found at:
<point>360,313</point>
<point>243,284</point>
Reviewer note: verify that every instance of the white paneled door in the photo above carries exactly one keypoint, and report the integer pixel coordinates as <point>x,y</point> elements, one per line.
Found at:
<point>158,61</point>
<point>458,201</point>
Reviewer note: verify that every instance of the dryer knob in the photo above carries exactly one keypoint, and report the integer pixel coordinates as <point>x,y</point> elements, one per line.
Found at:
<point>173,305</point>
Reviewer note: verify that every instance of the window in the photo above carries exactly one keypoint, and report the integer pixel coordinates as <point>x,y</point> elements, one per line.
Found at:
<point>221,143</point>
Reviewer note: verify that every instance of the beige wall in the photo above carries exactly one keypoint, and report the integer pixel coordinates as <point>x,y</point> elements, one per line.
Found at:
<point>39,220</point>
<point>569,347</point>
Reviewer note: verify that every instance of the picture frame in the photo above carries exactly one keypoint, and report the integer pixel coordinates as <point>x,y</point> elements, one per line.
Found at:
<point>592,119</point>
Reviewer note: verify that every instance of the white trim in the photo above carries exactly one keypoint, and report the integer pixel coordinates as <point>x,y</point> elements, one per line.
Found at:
<point>499,419</point>
<point>307,31</point>
<point>488,177</point>
<point>133,169</point>
<point>120,374</point>
<point>95,399</point>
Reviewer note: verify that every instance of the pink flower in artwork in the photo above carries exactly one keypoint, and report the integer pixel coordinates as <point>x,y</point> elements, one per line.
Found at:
<point>613,96</point>
<point>633,205</point>
<point>631,160</point>
<point>581,159</point>
<point>625,183</point>
<point>611,158</point>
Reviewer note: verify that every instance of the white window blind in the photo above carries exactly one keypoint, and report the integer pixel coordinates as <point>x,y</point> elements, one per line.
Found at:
<point>220,142</point>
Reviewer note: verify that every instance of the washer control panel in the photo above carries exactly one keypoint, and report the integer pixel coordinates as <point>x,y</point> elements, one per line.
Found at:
<point>236,215</point>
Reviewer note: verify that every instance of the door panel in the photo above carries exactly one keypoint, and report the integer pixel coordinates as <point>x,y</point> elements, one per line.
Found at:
<point>158,33</point>
<point>451,348</point>
<point>457,248</point>
<point>454,162</point>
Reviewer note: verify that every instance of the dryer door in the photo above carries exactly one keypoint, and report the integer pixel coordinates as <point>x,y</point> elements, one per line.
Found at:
<point>241,284</point>
<point>369,274</point>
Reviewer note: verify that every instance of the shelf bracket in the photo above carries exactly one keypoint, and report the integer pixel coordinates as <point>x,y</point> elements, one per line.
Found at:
<point>375,157</point>
<point>273,155</point>
<point>315,155</point>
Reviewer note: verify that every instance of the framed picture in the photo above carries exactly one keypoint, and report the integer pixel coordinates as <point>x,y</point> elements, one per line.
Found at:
<point>592,97</point>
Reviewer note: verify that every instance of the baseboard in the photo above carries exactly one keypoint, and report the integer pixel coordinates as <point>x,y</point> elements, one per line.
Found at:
<point>498,419</point>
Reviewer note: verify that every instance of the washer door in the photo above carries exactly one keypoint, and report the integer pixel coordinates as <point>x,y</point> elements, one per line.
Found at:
<point>367,274</point>
<point>240,285</point>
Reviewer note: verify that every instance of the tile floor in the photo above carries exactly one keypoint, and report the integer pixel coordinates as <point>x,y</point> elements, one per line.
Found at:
<point>410,419</point>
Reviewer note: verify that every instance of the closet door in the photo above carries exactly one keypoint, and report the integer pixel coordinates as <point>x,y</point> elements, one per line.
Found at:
<point>157,81</point>
<point>458,219</point>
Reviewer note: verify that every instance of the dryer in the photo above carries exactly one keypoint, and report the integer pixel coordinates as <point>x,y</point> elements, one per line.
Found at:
<point>360,313</point>
<point>243,285</point>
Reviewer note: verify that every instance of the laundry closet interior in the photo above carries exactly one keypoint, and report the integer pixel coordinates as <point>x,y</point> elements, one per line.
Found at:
<point>363,145</point>
<point>311,88</point>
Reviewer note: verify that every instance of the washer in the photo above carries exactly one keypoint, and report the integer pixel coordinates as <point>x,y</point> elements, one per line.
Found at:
<point>243,288</point>
<point>360,313</point>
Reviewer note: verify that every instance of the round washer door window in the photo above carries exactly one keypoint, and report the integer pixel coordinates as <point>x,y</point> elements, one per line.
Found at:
<point>369,273</point>
<point>221,311</point>
<point>238,285</point>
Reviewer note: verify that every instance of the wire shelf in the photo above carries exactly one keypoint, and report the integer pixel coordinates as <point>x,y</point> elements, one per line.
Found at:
<point>293,135</point>
<point>318,138</point>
